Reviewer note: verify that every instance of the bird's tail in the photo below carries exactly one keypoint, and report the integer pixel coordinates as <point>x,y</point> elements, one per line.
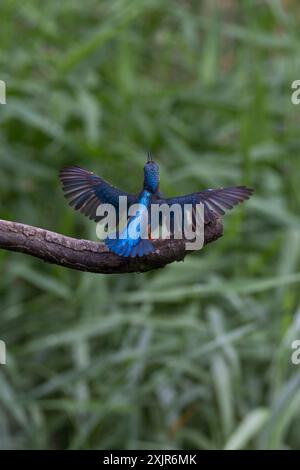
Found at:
<point>128,247</point>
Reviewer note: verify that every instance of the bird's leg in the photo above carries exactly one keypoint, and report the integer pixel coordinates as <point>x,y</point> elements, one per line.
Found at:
<point>149,233</point>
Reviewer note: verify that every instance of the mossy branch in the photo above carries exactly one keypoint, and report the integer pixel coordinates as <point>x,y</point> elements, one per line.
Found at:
<point>86,255</point>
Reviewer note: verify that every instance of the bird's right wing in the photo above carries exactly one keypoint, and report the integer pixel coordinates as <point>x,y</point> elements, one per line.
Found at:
<point>85,191</point>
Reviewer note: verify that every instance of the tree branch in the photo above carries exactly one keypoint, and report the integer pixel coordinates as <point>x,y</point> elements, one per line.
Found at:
<point>86,255</point>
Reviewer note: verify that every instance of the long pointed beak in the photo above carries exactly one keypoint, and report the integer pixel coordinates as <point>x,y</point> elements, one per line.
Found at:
<point>149,157</point>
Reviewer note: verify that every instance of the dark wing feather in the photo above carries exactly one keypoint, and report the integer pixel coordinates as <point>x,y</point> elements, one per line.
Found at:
<point>85,191</point>
<point>216,201</point>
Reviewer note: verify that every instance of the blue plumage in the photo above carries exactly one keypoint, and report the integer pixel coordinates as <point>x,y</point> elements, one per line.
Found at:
<point>86,191</point>
<point>130,241</point>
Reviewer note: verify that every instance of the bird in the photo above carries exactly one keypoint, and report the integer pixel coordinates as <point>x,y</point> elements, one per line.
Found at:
<point>85,191</point>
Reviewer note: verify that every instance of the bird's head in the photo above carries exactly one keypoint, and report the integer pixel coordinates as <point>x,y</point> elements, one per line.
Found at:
<point>151,172</point>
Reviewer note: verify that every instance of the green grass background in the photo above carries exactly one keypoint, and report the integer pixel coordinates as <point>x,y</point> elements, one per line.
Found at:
<point>197,355</point>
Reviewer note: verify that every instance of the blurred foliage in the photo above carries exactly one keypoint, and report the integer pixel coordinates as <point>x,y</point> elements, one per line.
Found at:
<point>197,355</point>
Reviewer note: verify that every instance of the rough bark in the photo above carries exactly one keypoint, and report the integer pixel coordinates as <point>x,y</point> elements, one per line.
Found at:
<point>86,255</point>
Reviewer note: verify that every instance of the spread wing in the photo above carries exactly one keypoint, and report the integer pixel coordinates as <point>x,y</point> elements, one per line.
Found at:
<point>215,201</point>
<point>85,191</point>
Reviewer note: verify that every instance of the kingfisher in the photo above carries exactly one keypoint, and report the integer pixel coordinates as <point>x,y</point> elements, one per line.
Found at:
<point>85,191</point>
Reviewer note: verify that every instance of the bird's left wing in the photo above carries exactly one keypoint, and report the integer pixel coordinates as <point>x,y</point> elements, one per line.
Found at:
<point>85,191</point>
<point>215,201</point>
